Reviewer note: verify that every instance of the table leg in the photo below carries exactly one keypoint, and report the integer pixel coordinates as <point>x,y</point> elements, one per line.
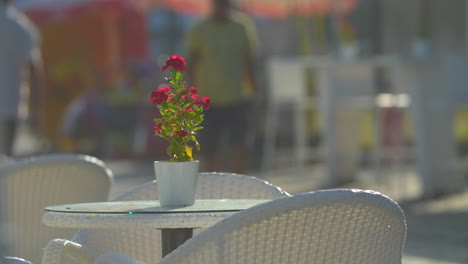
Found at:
<point>173,238</point>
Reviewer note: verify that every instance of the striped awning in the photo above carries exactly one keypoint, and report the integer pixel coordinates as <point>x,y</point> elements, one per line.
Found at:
<point>264,8</point>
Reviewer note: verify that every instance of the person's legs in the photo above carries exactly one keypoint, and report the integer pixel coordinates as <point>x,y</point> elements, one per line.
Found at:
<point>210,163</point>
<point>209,138</point>
<point>238,131</point>
<point>232,120</point>
<point>7,136</point>
<point>240,159</point>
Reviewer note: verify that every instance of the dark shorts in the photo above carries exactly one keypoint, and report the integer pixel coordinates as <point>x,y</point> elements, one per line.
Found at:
<point>229,123</point>
<point>8,129</point>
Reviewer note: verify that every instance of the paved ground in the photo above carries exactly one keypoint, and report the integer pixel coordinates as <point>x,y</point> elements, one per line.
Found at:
<point>437,228</point>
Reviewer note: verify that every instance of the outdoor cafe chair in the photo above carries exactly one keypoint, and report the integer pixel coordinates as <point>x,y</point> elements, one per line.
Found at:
<point>30,184</point>
<point>141,243</point>
<point>326,227</point>
<point>14,260</point>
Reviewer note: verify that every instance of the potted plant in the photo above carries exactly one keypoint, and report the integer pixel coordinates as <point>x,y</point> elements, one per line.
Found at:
<point>181,111</point>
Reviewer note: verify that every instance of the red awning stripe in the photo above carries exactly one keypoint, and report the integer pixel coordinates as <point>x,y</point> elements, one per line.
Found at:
<point>59,9</point>
<point>267,8</point>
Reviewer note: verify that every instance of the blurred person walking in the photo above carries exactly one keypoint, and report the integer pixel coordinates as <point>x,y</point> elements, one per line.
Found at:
<point>20,61</point>
<point>221,50</point>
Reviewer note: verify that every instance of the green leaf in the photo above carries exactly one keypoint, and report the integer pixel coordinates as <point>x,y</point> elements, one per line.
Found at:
<point>169,151</point>
<point>188,151</point>
<point>178,76</point>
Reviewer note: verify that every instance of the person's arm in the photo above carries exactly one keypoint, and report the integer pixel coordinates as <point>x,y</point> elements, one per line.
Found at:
<point>250,66</point>
<point>252,47</point>
<point>35,85</point>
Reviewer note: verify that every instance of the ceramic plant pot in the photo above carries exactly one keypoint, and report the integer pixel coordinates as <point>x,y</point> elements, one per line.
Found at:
<point>177,182</point>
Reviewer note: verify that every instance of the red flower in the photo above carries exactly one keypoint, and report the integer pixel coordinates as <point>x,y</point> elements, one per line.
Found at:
<point>181,133</point>
<point>159,95</point>
<point>169,97</point>
<point>205,101</point>
<point>157,128</point>
<point>192,94</point>
<point>188,109</point>
<point>176,62</point>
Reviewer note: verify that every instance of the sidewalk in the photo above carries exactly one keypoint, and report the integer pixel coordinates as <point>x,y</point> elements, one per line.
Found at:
<point>437,228</point>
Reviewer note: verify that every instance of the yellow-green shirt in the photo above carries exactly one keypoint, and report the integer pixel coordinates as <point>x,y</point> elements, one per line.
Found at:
<point>222,48</point>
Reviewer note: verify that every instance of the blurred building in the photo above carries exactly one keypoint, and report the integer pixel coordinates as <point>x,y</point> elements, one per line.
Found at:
<point>419,26</point>
<point>85,44</point>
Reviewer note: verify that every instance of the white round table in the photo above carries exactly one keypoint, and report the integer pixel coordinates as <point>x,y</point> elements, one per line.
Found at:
<point>176,223</point>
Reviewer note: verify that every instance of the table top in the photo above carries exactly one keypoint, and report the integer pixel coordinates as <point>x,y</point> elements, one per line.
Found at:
<point>153,207</point>
<point>143,214</point>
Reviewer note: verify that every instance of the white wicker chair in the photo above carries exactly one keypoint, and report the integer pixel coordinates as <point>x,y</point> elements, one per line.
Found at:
<point>14,260</point>
<point>141,243</point>
<point>30,184</point>
<point>326,227</point>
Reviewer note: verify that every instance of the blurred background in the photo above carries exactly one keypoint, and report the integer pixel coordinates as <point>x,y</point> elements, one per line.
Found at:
<point>347,83</point>
<point>360,93</point>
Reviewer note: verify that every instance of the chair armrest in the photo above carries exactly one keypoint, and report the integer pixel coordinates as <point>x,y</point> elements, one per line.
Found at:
<point>14,260</point>
<point>115,258</point>
<point>59,250</point>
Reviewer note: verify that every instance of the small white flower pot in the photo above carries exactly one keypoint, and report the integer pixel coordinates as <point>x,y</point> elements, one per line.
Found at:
<point>177,182</point>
